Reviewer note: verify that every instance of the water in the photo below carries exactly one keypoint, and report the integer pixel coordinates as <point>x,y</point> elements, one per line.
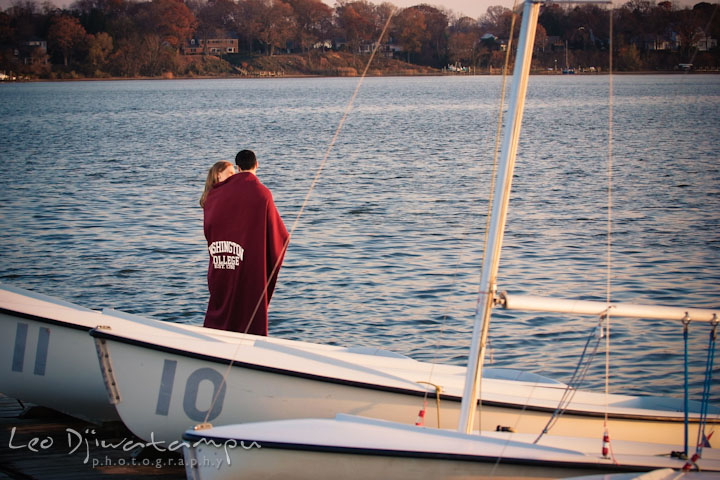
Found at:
<point>100,186</point>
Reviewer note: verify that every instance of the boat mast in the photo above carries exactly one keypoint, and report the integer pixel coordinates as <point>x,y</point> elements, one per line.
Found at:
<point>498,215</point>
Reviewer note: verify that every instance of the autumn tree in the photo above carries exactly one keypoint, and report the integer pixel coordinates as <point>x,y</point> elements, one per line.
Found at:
<point>26,19</point>
<point>461,47</point>
<point>126,60</point>
<point>249,21</point>
<point>628,59</point>
<point>156,56</point>
<point>497,21</point>
<point>217,18</point>
<point>586,24</point>
<point>39,62</point>
<point>7,31</point>
<point>8,61</point>
<point>357,20</point>
<point>434,50</point>
<point>268,22</point>
<point>554,18</point>
<point>410,30</point>
<point>66,34</point>
<point>100,47</point>
<point>464,41</point>
<point>661,21</point>
<point>689,27</point>
<point>382,13</point>
<point>172,20</point>
<point>313,20</point>
<point>276,26</point>
<point>466,25</point>
<point>540,38</point>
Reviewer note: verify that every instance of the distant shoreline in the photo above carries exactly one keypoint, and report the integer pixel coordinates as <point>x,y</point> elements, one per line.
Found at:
<point>374,75</point>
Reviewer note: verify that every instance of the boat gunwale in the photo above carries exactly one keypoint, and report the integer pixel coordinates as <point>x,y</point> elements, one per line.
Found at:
<point>105,335</point>
<point>52,321</point>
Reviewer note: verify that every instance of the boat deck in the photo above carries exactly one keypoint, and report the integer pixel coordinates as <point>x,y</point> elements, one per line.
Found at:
<point>39,444</point>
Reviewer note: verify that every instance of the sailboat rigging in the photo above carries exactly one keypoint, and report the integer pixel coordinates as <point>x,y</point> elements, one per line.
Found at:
<point>354,447</point>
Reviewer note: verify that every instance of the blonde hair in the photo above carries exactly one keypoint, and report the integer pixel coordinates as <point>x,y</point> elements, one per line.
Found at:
<point>213,177</point>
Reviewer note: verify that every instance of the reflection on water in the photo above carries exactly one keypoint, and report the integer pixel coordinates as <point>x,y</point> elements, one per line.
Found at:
<point>100,184</point>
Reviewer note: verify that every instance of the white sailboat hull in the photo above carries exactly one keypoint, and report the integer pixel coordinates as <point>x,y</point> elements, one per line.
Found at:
<point>167,373</point>
<point>153,409</point>
<point>303,465</point>
<point>351,447</point>
<point>48,358</point>
<point>64,379</point>
<point>167,384</point>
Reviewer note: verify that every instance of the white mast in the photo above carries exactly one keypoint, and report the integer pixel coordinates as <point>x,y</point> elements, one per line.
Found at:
<point>498,215</point>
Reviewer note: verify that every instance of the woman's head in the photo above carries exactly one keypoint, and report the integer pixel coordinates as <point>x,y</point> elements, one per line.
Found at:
<point>219,172</point>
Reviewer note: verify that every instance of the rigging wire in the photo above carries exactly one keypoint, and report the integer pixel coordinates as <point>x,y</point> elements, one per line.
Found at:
<point>576,379</point>
<point>702,440</point>
<point>604,323</point>
<point>304,204</point>
<point>607,447</point>
<point>686,390</point>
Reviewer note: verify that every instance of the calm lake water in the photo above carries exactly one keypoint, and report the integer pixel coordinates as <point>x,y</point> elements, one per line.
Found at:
<point>100,185</point>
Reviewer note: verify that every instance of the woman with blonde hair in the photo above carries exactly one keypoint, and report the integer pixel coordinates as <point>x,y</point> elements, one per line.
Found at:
<point>219,172</point>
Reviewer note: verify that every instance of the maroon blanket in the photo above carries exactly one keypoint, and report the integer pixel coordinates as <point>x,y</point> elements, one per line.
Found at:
<point>245,236</point>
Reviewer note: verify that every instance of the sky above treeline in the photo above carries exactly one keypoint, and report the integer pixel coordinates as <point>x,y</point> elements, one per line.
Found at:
<point>470,8</point>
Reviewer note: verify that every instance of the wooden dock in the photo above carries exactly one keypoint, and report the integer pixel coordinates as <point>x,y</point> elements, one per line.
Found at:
<point>41,444</point>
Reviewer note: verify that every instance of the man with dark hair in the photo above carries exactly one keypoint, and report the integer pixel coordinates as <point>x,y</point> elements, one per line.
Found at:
<point>246,160</point>
<point>246,240</point>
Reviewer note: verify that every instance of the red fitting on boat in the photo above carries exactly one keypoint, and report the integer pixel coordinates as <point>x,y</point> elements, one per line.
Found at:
<point>606,444</point>
<point>691,463</point>
<point>421,418</point>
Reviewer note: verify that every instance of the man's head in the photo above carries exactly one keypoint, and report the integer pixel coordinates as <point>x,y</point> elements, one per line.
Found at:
<point>245,160</point>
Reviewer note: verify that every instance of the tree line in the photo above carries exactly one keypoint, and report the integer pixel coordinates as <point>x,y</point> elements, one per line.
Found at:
<point>127,38</point>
